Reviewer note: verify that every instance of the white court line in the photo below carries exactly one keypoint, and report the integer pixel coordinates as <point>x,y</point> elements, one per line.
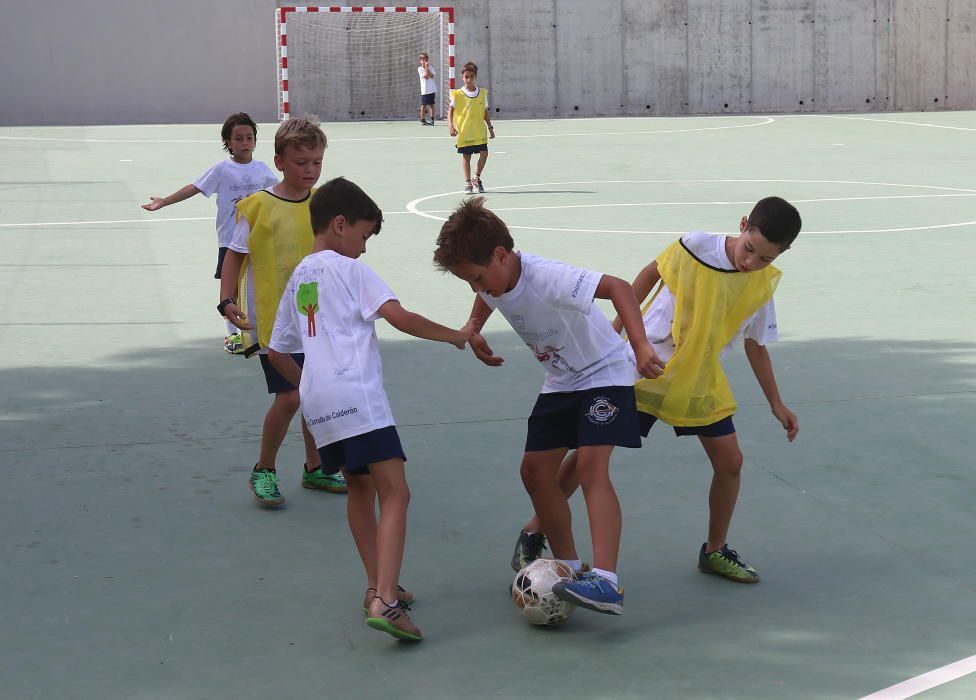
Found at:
<point>412,206</point>
<point>766,120</point>
<point>699,204</point>
<point>894,121</point>
<point>132,221</point>
<point>927,681</point>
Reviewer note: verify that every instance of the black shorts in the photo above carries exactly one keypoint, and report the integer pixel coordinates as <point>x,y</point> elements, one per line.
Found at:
<point>221,253</point>
<point>272,377</point>
<point>716,429</point>
<point>470,150</point>
<point>600,416</point>
<point>428,99</point>
<point>356,453</point>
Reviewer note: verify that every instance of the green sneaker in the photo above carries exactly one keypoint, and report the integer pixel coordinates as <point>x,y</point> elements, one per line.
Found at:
<point>264,486</point>
<point>318,479</point>
<point>234,344</point>
<point>726,562</point>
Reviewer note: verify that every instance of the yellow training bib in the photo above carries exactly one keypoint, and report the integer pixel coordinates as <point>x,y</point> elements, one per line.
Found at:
<point>281,235</point>
<point>709,307</point>
<point>469,117</point>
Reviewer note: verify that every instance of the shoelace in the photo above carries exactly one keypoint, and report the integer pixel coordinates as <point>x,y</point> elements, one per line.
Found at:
<point>731,555</point>
<point>266,482</point>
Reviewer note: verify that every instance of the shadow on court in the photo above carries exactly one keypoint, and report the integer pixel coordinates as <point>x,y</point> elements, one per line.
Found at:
<point>136,565</point>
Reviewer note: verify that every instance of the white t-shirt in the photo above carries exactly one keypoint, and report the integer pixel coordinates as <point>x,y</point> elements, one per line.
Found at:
<point>427,85</point>
<point>551,308</point>
<point>472,93</point>
<point>232,182</point>
<point>710,249</point>
<point>341,391</point>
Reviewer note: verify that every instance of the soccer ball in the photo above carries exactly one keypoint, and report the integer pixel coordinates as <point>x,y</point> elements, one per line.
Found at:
<point>533,596</point>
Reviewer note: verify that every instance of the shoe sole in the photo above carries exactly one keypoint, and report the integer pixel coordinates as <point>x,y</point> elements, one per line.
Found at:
<point>595,606</point>
<point>378,623</point>
<point>330,489</point>
<point>708,571</point>
<point>266,502</point>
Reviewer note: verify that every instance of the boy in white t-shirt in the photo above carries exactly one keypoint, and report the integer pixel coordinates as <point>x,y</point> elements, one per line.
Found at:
<point>698,312</point>
<point>587,399</point>
<point>231,180</point>
<point>328,311</point>
<point>428,90</point>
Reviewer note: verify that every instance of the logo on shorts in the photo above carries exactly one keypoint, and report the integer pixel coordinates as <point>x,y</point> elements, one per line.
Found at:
<point>602,411</point>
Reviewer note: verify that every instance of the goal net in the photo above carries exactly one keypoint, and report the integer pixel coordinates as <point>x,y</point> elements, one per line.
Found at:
<point>342,63</point>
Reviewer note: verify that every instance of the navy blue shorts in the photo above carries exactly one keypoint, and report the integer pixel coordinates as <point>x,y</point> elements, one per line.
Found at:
<point>428,99</point>
<point>356,453</point>
<point>469,150</point>
<point>717,429</point>
<point>604,415</point>
<point>221,253</point>
<point>272,377</point>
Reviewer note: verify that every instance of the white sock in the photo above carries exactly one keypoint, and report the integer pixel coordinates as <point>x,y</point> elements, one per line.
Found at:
<point>574,564</point>
<point>231,329</point>
<point>608,575</point>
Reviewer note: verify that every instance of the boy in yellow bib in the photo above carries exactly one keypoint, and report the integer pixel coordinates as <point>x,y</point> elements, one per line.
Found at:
<point>467,118</point>
<point>273,234</point>
<point>713,289</point>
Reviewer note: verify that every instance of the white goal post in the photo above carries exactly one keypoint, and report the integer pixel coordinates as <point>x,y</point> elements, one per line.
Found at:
<point>360,63</point>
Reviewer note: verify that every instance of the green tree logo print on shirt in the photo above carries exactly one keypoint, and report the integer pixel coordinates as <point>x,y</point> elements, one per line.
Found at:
<point>308,303</point>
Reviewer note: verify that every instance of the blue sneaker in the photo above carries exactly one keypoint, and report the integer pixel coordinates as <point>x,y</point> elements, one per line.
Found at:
<point>591,591</point>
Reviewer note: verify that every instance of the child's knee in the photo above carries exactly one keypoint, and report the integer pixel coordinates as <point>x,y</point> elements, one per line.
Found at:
<point>287,400</point>
<point>533,477</point>
<point>728,464</point>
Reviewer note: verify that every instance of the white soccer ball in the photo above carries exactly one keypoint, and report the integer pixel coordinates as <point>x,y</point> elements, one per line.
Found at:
<point>533,596</point>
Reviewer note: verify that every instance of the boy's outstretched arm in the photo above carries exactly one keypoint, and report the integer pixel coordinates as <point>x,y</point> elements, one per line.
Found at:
<point>624,301</point>
<point>479,315</point>
<point>422,327</point>
<point>762,367</point>
<point>178,196</point>
<point>230,271</point>
<point>642,284</point>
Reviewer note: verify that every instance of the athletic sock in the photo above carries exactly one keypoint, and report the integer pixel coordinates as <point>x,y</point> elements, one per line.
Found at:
<point>608,575</point>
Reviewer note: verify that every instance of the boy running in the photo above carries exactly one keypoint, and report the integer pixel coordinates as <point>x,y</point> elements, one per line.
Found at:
<point>587,399</point>
<point>714,288</point>
<point>328,312</point>
<point>272,236</point>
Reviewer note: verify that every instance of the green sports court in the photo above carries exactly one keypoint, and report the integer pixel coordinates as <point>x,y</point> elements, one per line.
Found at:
<point>135,563</point>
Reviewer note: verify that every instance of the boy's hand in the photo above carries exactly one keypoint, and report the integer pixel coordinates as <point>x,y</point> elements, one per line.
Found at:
<point>648,363</point>
<point>491,132</point>
<point>154,204</point>
<point>453,130</point>
<point>788,420</point>
<point>464,335</point>
<point>481,350</point>
<point>237,317</point>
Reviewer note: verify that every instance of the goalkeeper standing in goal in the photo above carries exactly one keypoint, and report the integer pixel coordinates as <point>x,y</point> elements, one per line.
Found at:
<point>468,118</point>
<point>428,90</point>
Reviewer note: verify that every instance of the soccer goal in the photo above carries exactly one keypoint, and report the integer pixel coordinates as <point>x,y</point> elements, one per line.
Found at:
<point>342,63</point>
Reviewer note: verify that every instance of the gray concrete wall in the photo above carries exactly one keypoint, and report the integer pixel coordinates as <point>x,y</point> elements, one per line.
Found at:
<point>103,62</point>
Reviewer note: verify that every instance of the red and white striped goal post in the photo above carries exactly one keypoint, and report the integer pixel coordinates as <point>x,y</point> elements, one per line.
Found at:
<point>282,17</point>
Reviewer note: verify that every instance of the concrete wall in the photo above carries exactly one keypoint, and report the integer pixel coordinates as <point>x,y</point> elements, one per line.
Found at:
<point>109,61</point>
